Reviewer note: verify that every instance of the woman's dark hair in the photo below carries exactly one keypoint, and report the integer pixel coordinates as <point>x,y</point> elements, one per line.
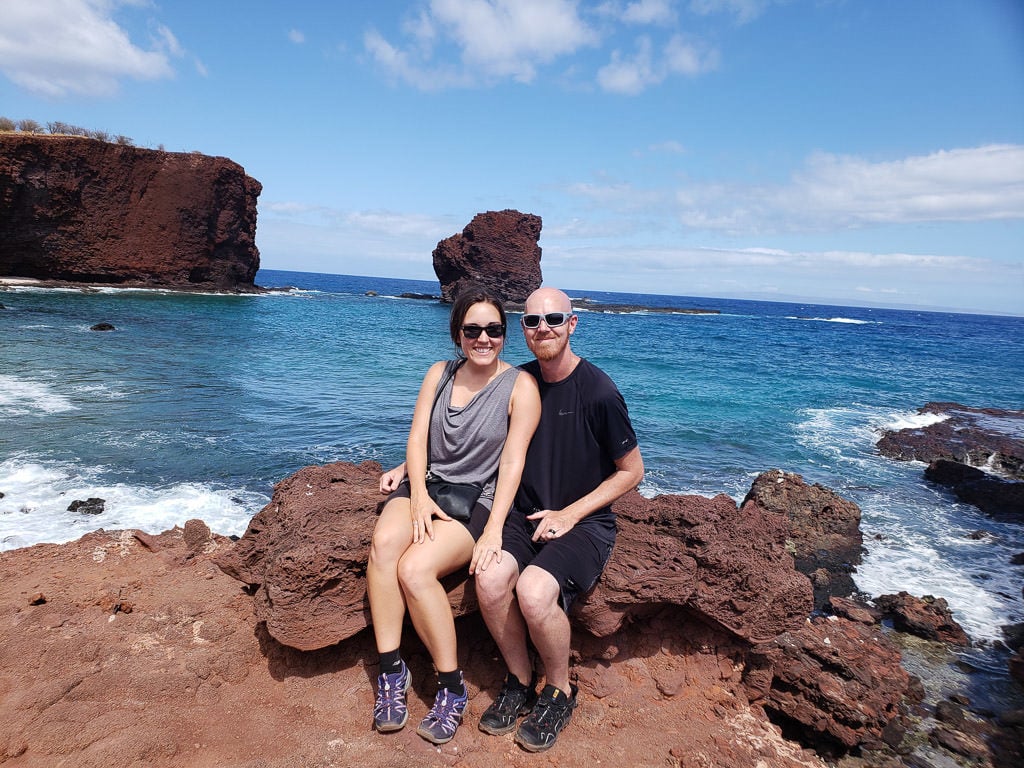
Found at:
<point>466,299</point>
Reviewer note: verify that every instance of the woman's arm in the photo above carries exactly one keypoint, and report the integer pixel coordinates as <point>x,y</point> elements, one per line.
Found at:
<point>524,415</point>
<point>423,507</point>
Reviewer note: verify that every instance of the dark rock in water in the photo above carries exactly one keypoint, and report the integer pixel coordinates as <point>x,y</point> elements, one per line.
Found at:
<point>81,210</point>
<point>1017,559</point>
<point>101,327</point>
<point>498,250</point>
<point>978,437</point>
<point>824,530</point>
<point>1003,499</point>
<point>91,506</point>
<point>1014,634</point>
<point>928,617</point>
<point>422,296</point>
<point>956,447</point>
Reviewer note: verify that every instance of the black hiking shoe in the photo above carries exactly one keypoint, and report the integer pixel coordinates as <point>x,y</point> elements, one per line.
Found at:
<point>514,699</point>
<point>550,715</point>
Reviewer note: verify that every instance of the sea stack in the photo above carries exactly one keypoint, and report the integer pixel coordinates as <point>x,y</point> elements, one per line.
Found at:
<point>82,210</point>
<point>497,250</point>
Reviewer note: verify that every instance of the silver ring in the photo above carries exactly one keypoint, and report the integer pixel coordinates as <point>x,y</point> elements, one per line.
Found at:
<point>552,530</point>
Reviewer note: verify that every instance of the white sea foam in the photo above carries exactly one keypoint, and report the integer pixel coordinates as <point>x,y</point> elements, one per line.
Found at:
<point>980,599</point>
<point>910,421</point>
<point>847,320</point>
<point>917,536</point>
<point>37,494</point>
<point>21,397</point>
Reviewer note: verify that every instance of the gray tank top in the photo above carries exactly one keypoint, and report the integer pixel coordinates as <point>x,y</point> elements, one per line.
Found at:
<point>466,442</point>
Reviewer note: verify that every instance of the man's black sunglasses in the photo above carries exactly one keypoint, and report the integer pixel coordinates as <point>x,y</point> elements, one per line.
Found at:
<point>553,319</point>
<point>494,330</point>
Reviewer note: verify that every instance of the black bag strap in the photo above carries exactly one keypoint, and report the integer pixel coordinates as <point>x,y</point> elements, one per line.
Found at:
<point>444,382</point>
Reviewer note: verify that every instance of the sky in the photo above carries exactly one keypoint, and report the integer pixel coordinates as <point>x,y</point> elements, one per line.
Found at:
<point>849,152</point>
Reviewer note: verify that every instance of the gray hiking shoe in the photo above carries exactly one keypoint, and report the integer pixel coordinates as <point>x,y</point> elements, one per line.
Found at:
<point>390,712</point>
<point>444,717</point>
<point>550,715</point>
<point>514,699</point>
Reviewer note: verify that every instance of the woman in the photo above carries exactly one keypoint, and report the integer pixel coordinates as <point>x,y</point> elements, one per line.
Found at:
<point>479,414</point>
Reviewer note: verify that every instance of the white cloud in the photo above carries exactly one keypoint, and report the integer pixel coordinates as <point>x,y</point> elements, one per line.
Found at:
<point>648,12</point>
<point>667,147</point>
<point>972,184</point>
<point>296,36</point>
<point>351,224</point>
<point>495,39</point>
<point>462,43</point>
<point>55,48</point>
<point>843,277</point>
<point>411,68</point>
<point>631,75</point>
<point>510,37</point>
<point>743,10</point>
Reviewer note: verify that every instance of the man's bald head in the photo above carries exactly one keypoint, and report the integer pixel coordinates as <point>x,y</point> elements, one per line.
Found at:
<point>545,300</point>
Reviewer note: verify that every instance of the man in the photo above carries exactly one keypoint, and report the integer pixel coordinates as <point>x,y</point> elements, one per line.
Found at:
<point>559,536</point>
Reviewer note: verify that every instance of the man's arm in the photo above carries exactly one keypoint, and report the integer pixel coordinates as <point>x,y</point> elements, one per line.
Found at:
<point>629,471</point>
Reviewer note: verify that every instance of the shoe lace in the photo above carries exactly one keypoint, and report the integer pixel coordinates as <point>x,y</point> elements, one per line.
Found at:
<point>547,711</point>
<point>506,698</point>
<point>387,692</point>
<point>445,709</point>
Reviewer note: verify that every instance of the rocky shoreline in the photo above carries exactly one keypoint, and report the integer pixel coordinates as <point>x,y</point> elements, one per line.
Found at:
<point>703,642</point>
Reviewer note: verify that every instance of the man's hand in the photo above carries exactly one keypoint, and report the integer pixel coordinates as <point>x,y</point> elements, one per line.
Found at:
<point>550,524</point>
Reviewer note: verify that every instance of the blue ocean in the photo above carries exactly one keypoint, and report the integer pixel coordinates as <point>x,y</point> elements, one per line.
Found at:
<point>197,404</point>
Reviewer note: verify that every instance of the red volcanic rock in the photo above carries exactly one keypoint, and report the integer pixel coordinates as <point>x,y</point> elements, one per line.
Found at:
<point>124,648</point>
<point>82,210</point>
<point>839,680</point>
<point>304,555</point>
<point>497,250</point>
<point>190,678</point>
<point>823,529</point>
<point>727,566</point>
<point>928,617</point>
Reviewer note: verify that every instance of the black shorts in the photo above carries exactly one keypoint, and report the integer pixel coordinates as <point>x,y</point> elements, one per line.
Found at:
<point>576,559</point>
<point>475,524</point>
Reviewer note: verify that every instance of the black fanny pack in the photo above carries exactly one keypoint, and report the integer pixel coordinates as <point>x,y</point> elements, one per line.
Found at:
<point>456,499</point>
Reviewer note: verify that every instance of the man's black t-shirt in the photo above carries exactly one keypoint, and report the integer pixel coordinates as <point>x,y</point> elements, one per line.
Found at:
<point>584,428</point>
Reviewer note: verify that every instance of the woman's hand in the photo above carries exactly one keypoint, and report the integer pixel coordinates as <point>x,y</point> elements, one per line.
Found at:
<point>487,550</point>
<point>390,480</point>
<point>424,510</point>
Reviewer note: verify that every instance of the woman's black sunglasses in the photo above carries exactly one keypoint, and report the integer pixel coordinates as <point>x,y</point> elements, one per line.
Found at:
<point>494,330</point>
<point>553,319</point>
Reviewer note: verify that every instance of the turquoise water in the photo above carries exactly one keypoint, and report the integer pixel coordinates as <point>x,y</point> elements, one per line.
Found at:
<point>197,404</point>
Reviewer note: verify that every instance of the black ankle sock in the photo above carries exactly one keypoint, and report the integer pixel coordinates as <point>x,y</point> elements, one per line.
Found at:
<point>514,681</point>
<point>452,681</point>
<point>390,662</point>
